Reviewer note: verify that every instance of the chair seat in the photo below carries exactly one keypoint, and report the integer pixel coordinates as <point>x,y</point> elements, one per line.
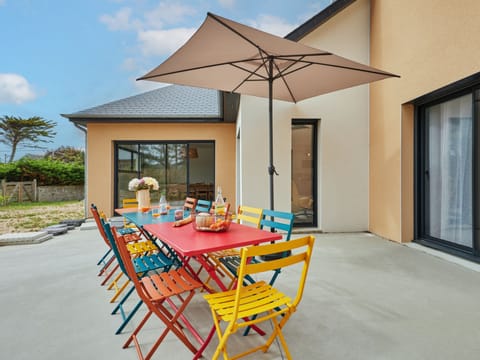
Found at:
<point>254,299</point>
<point>168,284</point>
<point>141,247</point>
<point>151,262</point>
<point>125,231</point>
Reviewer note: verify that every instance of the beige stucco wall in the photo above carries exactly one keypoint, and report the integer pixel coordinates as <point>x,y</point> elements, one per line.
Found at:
<point>100,138</point>
<point>430,43</point>
<point>342,137</point>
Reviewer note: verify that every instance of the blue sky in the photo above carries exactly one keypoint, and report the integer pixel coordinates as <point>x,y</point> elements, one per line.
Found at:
<point>59,57</point>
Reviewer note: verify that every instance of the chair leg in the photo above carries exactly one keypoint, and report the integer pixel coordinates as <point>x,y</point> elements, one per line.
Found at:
<point>127,319</point>
<point>106,265</point>
<point>171,321</point>
<point>277,332</point>
<point>119,290</point>
<point>110,274</point>
<point>102,259</point>
<point>122,301</point>
<point>113,283</point>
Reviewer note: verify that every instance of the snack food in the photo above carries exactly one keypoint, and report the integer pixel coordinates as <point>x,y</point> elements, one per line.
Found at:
<point>182,222</point>
<point>210,222</point>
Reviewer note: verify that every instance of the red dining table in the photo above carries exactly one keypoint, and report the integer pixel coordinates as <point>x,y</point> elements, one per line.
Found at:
<point>189,242</point>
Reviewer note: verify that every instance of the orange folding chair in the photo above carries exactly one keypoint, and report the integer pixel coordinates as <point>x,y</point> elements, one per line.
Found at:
<point>190,204</point>
<point>260,302</point>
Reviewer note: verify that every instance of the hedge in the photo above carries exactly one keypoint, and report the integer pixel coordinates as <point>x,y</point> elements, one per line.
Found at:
<point>46,171</point>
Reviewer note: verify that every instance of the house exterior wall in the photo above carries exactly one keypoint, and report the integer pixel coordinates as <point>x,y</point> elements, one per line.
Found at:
<point>342,135</point>
<point>100,147</point>
<point>430,43</point>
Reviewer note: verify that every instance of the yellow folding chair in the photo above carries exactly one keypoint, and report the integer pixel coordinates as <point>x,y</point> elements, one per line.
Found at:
<point>129,203</point>
<point>260,301</point>
<point>246,215</point>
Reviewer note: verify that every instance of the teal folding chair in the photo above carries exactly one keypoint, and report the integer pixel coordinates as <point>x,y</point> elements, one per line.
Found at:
<point>203,205</point>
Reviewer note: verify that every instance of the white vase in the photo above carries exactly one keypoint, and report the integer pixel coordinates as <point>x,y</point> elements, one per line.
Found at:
<point>143,198</point>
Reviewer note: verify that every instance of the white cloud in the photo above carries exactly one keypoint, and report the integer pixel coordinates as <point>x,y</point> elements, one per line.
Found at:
<point>15,89</point>
<point>273,25</point>
<point>229,4</point>
<point>121,20</point>
<point>2,2</point>
<point>167,13</point>
<point>163,42</point>
<point>129,64</point>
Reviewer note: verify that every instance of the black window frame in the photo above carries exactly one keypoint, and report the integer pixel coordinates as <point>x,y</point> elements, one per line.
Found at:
<point>469,85</point>
<point>314,123</point>
<point>118,143</point>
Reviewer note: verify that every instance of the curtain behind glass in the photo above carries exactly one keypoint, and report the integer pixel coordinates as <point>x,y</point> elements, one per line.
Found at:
<point>450,170</point>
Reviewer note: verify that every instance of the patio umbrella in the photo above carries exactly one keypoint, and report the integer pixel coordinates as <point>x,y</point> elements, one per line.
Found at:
<point>229,56</point>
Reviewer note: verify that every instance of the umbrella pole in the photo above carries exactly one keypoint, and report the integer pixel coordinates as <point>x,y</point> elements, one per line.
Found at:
<point>271,167</point>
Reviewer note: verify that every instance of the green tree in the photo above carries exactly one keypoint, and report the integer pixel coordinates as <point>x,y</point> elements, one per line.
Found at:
<point>15,130</point>
<point>67,154</point>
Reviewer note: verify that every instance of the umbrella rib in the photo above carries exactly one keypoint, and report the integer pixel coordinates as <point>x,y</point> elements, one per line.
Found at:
<point>281,76</point>
<point>254,72</point>
<point>378,72</point>
<point>232,29</point>
<point>262,78</point>
<point>233,63</point>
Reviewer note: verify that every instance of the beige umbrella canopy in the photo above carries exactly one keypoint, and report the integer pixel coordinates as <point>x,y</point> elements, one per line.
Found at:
<point>229,56</point>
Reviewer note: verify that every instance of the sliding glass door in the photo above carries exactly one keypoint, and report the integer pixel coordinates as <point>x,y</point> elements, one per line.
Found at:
<point>446,192</point>
<point>181,169</point>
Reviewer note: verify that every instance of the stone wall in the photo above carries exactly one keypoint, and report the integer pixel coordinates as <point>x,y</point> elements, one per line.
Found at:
<point>61,193</point>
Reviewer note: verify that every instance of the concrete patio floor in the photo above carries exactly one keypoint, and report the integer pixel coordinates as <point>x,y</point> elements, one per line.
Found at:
<point>366,298</point>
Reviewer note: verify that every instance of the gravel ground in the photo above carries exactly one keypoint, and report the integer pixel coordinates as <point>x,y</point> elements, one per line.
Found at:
<point>38,217</point>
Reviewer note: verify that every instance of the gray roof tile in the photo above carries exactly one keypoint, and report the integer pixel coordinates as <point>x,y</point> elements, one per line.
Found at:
<point>173,101</point>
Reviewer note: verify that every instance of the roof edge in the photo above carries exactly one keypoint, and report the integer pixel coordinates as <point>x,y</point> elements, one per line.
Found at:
<point>319,19</point>
<point>157,120</point>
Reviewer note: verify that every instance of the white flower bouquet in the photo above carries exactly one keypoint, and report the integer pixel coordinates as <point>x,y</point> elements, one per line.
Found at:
<point>145,183</point>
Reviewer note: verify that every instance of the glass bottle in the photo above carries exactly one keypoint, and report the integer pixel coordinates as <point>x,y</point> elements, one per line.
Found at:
<point>162,204</point>
<point>219,203</point>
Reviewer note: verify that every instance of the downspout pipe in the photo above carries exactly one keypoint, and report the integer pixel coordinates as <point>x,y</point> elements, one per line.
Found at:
<point>84,130</point>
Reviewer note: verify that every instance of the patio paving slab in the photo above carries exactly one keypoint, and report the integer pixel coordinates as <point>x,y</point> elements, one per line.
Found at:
<point>366,298</point>
<point>24,238</point>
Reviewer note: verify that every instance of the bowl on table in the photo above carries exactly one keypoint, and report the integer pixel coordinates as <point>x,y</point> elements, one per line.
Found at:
<point>204,221</point>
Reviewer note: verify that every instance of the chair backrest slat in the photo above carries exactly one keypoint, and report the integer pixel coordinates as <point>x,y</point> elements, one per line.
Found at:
<point>98,221</point>
<point>277,220</point>
<point>203,205</point>
<point>226,208</point>
<point>190,204</point>
<point>303,247</point>
<point>249,215</point>
<point>130,203</point>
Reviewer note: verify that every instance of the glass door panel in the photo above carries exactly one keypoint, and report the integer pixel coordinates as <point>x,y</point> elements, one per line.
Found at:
<point>127,169</point>
<point>448,173</point>
<point>202,170</point>
<point>303,172</point>
<point>177,173</point>
<point>153,161</point>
